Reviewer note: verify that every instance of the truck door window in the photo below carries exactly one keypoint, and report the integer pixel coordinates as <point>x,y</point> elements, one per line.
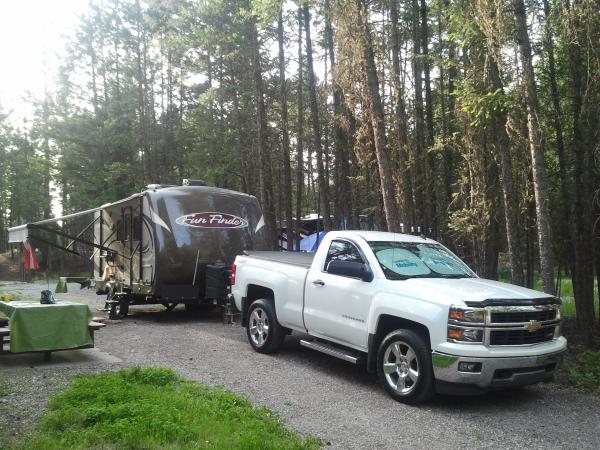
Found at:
<point>342,251</point>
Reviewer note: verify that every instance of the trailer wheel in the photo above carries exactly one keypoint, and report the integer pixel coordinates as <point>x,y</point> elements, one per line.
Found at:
<point>119,308</point>
<point>265,334</point>
<point>122,308</point>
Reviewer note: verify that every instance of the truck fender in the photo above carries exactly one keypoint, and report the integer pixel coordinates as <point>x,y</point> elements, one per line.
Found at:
<point>389,313</point>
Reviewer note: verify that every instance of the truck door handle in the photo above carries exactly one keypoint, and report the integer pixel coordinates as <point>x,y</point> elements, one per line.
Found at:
<point>319,283</point>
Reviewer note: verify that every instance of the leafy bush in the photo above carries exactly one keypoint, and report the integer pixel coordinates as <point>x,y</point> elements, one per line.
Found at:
<point>586,373</point>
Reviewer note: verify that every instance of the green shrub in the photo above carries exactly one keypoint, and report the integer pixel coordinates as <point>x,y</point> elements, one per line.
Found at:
<point>586,373</point>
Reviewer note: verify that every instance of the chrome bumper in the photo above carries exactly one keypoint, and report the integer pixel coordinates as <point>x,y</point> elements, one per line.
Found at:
<point>496,373</point>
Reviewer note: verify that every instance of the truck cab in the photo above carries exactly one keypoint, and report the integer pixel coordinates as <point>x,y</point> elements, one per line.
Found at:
<point>406,307</point>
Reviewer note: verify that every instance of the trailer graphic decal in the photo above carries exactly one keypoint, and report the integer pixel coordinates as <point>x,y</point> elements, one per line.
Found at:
<point>211,220</point>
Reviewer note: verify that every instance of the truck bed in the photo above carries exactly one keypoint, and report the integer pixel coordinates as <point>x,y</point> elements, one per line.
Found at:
<point>301,259</point>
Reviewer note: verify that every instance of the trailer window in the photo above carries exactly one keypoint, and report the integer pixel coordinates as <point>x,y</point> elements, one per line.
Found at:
<point>137,229</point>
<point>120,231</point>
<point>123,229</point>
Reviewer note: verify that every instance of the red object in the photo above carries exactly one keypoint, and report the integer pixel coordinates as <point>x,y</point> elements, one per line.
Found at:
<point>232,276</point>
<point>31,260</point>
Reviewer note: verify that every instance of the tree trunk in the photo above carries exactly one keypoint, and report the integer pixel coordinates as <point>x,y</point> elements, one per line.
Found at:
<point>243,145</point>
<point>316,125</point>
<point>341,139</point>
<point>300,132</point>
<point>537,153</point>
<point>565,229</point>
<point>406,209</point>
<point>510,212</point>
<point>287,171</point>
<point>419,158</point>
<point>582,236</point>
<point>264,159</point>
<point>377,118</point>
<point>432,188</point>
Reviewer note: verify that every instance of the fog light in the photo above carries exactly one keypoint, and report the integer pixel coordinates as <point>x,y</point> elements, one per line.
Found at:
<point>465,366</point>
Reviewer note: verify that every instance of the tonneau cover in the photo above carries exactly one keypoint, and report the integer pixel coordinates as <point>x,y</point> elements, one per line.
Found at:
<point>302,259</point>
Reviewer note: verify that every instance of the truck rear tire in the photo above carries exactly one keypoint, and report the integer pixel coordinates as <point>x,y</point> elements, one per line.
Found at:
<point>264,332</point>
<point>404,367</point>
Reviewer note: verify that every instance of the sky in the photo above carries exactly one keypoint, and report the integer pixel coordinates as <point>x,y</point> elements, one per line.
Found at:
<point>32,38</point>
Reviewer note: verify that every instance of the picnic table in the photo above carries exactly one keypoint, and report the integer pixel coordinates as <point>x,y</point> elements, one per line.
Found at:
<point>34,327</point>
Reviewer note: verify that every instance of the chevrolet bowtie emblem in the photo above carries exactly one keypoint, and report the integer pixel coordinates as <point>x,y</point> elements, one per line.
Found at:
<point>533,325</point>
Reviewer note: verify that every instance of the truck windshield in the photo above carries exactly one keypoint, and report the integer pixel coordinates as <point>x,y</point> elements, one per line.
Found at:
<point>403,260</point>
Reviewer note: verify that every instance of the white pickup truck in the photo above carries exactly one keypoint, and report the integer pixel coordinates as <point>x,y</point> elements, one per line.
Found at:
<point>406,307</point>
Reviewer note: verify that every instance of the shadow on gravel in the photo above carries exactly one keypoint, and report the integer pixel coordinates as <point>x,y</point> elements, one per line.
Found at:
<point>489,402</point>
<point>176,316</point>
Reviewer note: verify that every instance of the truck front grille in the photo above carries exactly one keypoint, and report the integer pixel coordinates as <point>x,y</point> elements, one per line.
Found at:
<point>523,316</point>
<point>521,337</point>
<point>522,324</point>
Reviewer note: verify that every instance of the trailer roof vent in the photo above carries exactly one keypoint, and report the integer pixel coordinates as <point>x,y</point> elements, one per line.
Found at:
<point>189,182</point>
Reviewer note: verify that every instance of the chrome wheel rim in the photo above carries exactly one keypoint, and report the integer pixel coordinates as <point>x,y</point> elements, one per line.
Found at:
<point>401,367</point>
<point>259,327</point>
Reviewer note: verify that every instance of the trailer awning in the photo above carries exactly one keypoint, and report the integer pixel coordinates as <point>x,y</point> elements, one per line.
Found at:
<point>55,233</point>
<point>18,234</point>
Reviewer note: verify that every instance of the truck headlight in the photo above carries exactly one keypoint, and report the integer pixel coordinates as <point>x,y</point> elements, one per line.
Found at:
<point>468,315</point>
<point>465,334</point>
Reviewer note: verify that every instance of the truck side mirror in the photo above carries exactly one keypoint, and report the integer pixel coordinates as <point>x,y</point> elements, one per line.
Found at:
<point>350,269</point>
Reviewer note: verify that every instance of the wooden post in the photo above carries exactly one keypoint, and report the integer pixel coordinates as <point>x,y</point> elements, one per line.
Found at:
<point>22,264</point>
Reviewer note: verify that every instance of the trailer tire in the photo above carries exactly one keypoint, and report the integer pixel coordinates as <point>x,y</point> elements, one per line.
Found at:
<point>122,308</point>
<point>404,367</point>
<point>119,310</point>
<point>264,332</point>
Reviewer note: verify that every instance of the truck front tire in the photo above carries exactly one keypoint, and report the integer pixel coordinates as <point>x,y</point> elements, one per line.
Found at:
<point>264,332</point>
<point>404,367</point>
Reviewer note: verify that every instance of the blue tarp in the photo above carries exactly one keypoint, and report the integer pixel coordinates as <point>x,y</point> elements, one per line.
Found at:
<point>311,243</point>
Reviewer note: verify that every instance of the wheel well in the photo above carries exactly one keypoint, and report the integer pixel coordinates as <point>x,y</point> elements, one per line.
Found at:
<point>387,324</point>
<point>254,293</point>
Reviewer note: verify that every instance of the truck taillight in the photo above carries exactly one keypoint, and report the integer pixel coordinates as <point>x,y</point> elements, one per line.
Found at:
<point>232,276</point>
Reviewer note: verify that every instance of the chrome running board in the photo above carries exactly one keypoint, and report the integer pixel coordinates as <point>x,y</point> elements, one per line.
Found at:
<point>330,350</point>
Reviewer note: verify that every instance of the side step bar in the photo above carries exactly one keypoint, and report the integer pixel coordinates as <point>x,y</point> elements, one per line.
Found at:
<point>331,350</point>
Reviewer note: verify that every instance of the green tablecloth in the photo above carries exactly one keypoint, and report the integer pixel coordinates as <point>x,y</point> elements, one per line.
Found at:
<point>36,328</point>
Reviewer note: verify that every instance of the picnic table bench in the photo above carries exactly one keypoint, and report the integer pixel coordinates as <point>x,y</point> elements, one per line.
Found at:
<point>5,338</point>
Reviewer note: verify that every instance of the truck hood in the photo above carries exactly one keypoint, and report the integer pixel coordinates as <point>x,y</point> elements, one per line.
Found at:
<point>465,289</point>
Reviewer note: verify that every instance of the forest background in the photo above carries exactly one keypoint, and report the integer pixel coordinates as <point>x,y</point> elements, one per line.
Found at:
<point>470,121</point>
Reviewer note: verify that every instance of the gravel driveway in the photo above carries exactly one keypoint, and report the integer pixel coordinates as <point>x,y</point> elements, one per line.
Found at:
<point>314,393</point>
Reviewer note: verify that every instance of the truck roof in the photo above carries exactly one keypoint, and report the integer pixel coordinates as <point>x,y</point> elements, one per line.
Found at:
<point>379,236</point>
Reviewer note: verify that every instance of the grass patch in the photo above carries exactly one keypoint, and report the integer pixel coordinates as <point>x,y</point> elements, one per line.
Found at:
<point>155,409</point>
<point>586,371</point>
<point>4,391</point>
